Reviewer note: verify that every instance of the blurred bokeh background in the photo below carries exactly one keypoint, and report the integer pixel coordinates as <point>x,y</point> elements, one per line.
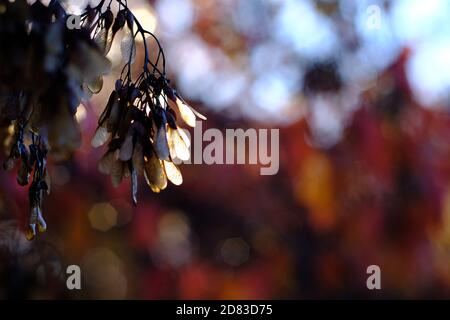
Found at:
<point>363,111</point>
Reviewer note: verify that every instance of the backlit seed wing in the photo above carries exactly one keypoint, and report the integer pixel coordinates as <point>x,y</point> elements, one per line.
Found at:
<point>138,158</point>
<point>95,85</point>
<point>128,48</point>
<point>101,136</point>
<point>34,220</point>
<point>161,145</point>
<point>87,62</point>
<point>186,113</point>
<point>197,114</point>
<point>117,173</point>
<point>104,39</point>
<point>42,225</point>
<point>126,150</point>
<point>114,116</point>
<point>106,162</point>
<point>87,93</point>
<point>126,170</point>
<point>30,232</point>
<point>106,112</point>
<point>119,22</point>
<point>63,133</point>
<point>154,174</point>
<point>180,102</point>
<point>173,173</point>
<point>185,137</point>
<point>177,146</point>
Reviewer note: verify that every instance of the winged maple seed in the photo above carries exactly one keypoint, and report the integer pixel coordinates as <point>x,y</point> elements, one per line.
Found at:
<point>140,125</point>
<point>48,69</point>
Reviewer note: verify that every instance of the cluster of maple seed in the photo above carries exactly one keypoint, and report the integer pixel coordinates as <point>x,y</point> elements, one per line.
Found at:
<point>140,124</point>
<point>39,98</point>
